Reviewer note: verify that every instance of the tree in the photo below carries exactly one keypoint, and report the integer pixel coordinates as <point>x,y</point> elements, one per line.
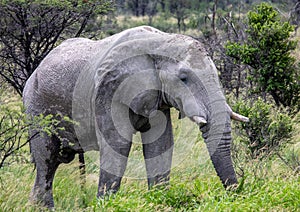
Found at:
<point>137,7</point>
<point>180,10</point>
<point>267,50</point>
<point>151,10</point>
<point>223,26</point>
<point>30,29</point>
<point>295,15</point>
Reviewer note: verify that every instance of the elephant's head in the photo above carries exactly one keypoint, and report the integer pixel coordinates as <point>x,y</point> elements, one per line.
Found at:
<point>193,88</point>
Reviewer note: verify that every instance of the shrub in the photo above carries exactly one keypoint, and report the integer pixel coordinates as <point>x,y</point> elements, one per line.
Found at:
<point>14,126</point>
<point>268,130</point>
<point>268,51</point>
<point>13,131</point>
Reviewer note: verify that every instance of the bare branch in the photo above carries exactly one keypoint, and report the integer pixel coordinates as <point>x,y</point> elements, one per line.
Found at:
<point>29,31</point>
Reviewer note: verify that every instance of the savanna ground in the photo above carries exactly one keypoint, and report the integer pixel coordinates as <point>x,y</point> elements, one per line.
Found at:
<point>267,185</point>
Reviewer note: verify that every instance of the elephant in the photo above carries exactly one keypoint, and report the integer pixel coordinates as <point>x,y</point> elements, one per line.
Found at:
<point>120,85</point>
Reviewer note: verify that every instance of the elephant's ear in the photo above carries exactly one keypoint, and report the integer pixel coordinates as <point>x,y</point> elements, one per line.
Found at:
<point>145,102</point>
<point>134,82</point>
<point>141,92</point>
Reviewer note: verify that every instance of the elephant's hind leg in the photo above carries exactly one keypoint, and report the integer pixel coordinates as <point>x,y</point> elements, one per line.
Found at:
<point>44,151</point>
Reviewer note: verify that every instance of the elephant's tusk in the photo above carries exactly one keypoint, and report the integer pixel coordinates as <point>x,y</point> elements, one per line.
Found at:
<point>238,117</point>
<point>199,120</point>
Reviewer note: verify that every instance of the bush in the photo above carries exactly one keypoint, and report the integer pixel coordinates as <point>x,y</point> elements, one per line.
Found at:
<point>14,126</point>
<point>13,131</point>
<point>268,130</point>
<point>267,49</point>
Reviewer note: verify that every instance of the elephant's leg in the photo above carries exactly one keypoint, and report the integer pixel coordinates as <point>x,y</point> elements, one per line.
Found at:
<point>158,153</point>
<point>44,152</point>
<point>113,160</point>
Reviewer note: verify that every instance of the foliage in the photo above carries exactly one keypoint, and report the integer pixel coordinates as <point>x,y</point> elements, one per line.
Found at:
<point>29,30</point>
<point>267,50</point>
<point>14,126</point>
<point>268,129</point>
<point>291,158</point>
<point>13,132</point>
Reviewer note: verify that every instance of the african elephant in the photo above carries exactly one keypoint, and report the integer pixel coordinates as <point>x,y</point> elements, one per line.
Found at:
<point>117,86</point>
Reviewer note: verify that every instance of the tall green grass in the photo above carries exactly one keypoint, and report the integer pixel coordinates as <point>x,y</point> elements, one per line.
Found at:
<point>192,187</point>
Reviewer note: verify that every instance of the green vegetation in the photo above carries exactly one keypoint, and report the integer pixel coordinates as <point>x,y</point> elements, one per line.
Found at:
<point>13,131</point>
<point>268,129</point>
<point>267,50</point>
<point>266,151</point>
<point>192,188</point>
<point>14,125</point>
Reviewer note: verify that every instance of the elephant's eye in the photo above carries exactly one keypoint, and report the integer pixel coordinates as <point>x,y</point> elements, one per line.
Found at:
<point>183,78</point>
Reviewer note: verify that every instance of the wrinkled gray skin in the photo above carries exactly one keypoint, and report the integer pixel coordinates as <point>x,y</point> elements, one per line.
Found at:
<point>76,79</point>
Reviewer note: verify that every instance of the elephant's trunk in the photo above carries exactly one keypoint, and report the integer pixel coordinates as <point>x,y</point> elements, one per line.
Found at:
<point>217,135</point>
<point>221,158</point>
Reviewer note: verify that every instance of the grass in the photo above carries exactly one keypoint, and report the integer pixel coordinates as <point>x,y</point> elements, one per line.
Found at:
<point>193,187</point>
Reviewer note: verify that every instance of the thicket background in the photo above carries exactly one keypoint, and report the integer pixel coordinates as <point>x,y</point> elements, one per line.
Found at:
<point>255,48</point>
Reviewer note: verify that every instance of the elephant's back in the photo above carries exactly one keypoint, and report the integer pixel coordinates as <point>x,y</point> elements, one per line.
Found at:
<point>58,72</point>
<point>52,83</point>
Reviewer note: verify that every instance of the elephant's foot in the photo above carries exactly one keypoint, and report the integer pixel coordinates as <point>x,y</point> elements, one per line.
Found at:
<point>159,181</point>
<point>42,197</point>
<point>108,184</point>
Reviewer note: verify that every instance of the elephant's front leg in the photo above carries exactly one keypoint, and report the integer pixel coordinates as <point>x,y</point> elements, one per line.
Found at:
<point>114,153</point>
<point>158,149</point>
